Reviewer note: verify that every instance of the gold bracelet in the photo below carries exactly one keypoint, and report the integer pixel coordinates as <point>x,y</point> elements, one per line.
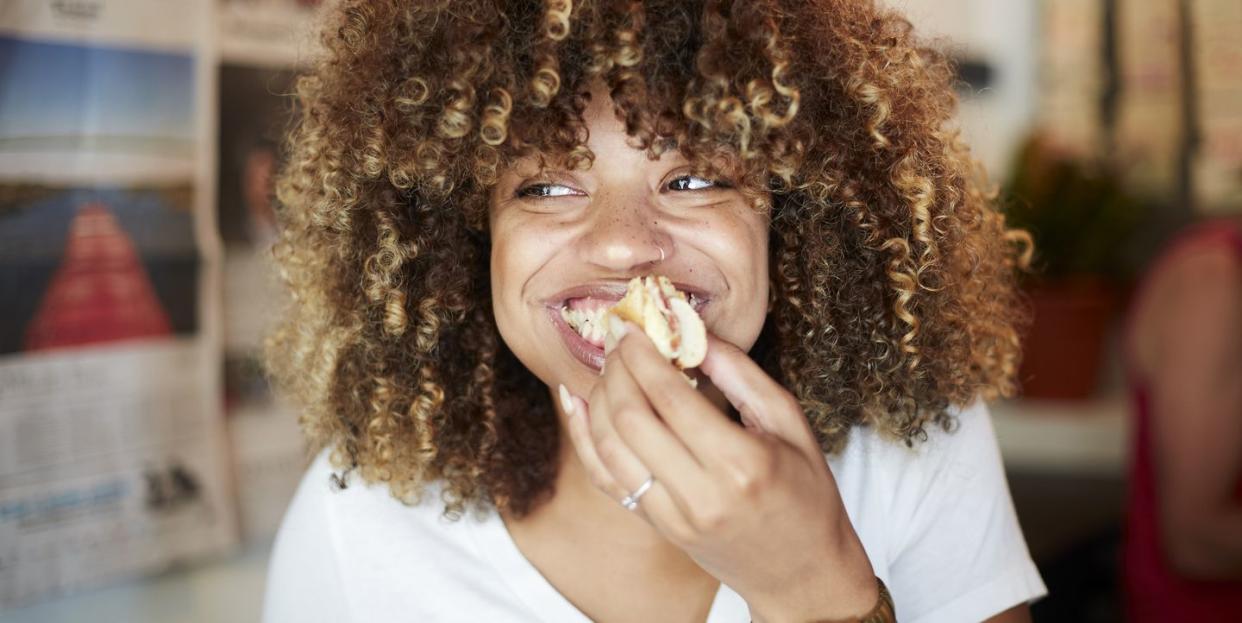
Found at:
<point>881,612</point>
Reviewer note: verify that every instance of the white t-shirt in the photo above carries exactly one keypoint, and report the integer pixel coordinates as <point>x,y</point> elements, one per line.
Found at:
<point>937,523</point>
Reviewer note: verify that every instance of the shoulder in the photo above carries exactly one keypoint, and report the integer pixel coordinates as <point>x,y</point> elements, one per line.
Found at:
<point>938,521</point>
<point>1198,297</point>
<point>1209,270</point>
<point>1194,287</point>
<point>1205,264</point>
<point>1204,261</point>
<point>967,447</point>
<point>339,547</point>
<point>353,513</point>
<point>912,489</point>
<point>304,577</point>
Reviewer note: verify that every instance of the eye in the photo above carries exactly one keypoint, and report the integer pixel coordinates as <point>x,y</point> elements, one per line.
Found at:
<point>543,189</point>
<point>694,182</point>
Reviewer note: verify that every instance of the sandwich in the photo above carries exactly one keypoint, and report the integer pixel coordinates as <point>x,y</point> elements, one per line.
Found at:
<point>665,314</point>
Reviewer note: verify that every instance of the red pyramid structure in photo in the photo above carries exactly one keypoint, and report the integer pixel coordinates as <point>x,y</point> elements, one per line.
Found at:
<point>100,293</point>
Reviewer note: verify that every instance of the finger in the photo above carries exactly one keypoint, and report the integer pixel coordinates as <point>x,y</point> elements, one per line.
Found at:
<point>652,442</point>
<point>617,457</point>
<point>758,398</point>
<point>580,436</point>
<point>656,506</point>
<point>709,435</point>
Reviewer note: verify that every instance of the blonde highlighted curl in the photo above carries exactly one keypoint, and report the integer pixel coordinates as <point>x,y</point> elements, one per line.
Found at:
<point>892,273</point>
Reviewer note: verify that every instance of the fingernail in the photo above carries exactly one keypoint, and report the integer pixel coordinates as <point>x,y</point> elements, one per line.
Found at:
<point>616,327</point>
<point>567,403</point>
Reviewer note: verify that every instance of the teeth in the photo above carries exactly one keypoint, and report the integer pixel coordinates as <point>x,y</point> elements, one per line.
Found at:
<point>589,324</point>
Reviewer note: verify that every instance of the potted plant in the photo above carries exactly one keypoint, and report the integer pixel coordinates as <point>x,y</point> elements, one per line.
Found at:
<point>1081,217</point>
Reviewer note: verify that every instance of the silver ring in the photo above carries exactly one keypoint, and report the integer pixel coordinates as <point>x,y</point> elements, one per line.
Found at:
<point>661,252</point>
<point>631,501</point>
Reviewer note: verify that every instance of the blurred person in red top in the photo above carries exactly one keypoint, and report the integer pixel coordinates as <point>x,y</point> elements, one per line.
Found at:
<point>1183,543</point>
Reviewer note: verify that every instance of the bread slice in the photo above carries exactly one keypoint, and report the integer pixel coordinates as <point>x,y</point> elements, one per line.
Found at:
<point>666,316</point>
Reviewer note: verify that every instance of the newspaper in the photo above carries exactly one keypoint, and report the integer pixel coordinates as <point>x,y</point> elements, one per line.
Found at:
<point>107,467</point>
<point>113,457</point>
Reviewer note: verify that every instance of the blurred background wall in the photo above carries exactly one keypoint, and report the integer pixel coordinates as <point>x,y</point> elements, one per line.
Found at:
<point>144,464</point>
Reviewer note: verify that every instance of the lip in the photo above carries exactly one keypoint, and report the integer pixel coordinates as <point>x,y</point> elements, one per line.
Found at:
<point>582,350</point>
<point>604,290</point>
<point>614,290</point>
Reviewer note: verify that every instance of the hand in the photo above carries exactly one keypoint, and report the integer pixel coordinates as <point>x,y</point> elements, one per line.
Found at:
<point>756,507</point>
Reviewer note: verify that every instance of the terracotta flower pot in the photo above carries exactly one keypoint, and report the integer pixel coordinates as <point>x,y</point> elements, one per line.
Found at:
<point>1064,346</point>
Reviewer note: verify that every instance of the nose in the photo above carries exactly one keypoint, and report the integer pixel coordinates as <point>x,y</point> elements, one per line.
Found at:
<point>624,235</point>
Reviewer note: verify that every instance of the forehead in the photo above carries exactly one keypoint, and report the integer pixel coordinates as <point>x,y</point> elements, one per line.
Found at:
<point>611,147</point>
<point>605,134</point>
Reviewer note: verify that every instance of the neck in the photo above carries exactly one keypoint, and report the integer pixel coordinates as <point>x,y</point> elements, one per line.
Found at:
<point>577,510</point>
<point>578,502</point>
<point>587,545</point>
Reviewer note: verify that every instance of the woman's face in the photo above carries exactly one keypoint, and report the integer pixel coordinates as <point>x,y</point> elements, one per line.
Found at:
<point>573,239</point>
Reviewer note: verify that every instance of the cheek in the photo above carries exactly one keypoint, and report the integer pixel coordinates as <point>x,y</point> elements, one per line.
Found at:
<point>508,256</point>
<point>506,274</point>
<point>517,254</point>
<point>747,252</point>
<point>757,269</point>
<point>739,249</point>
<point>503,262</point>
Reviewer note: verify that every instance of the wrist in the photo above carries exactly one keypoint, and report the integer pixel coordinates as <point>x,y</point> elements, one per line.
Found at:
<point>843,591</point>
<point>878,609</point>
<point>837,584</point>
<point>844,602</point>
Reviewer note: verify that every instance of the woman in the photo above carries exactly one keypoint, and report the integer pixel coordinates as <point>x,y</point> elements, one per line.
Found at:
<point>1183,539</point>
<point>462,171</point>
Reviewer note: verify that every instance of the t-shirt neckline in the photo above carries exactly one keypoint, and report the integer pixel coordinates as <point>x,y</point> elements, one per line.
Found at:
<point>497,546</point>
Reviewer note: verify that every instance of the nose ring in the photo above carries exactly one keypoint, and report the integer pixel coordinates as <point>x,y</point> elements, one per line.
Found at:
<point>661,252</point>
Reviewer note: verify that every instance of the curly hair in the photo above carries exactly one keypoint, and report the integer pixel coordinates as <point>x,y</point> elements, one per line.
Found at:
<point>892,273</point>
